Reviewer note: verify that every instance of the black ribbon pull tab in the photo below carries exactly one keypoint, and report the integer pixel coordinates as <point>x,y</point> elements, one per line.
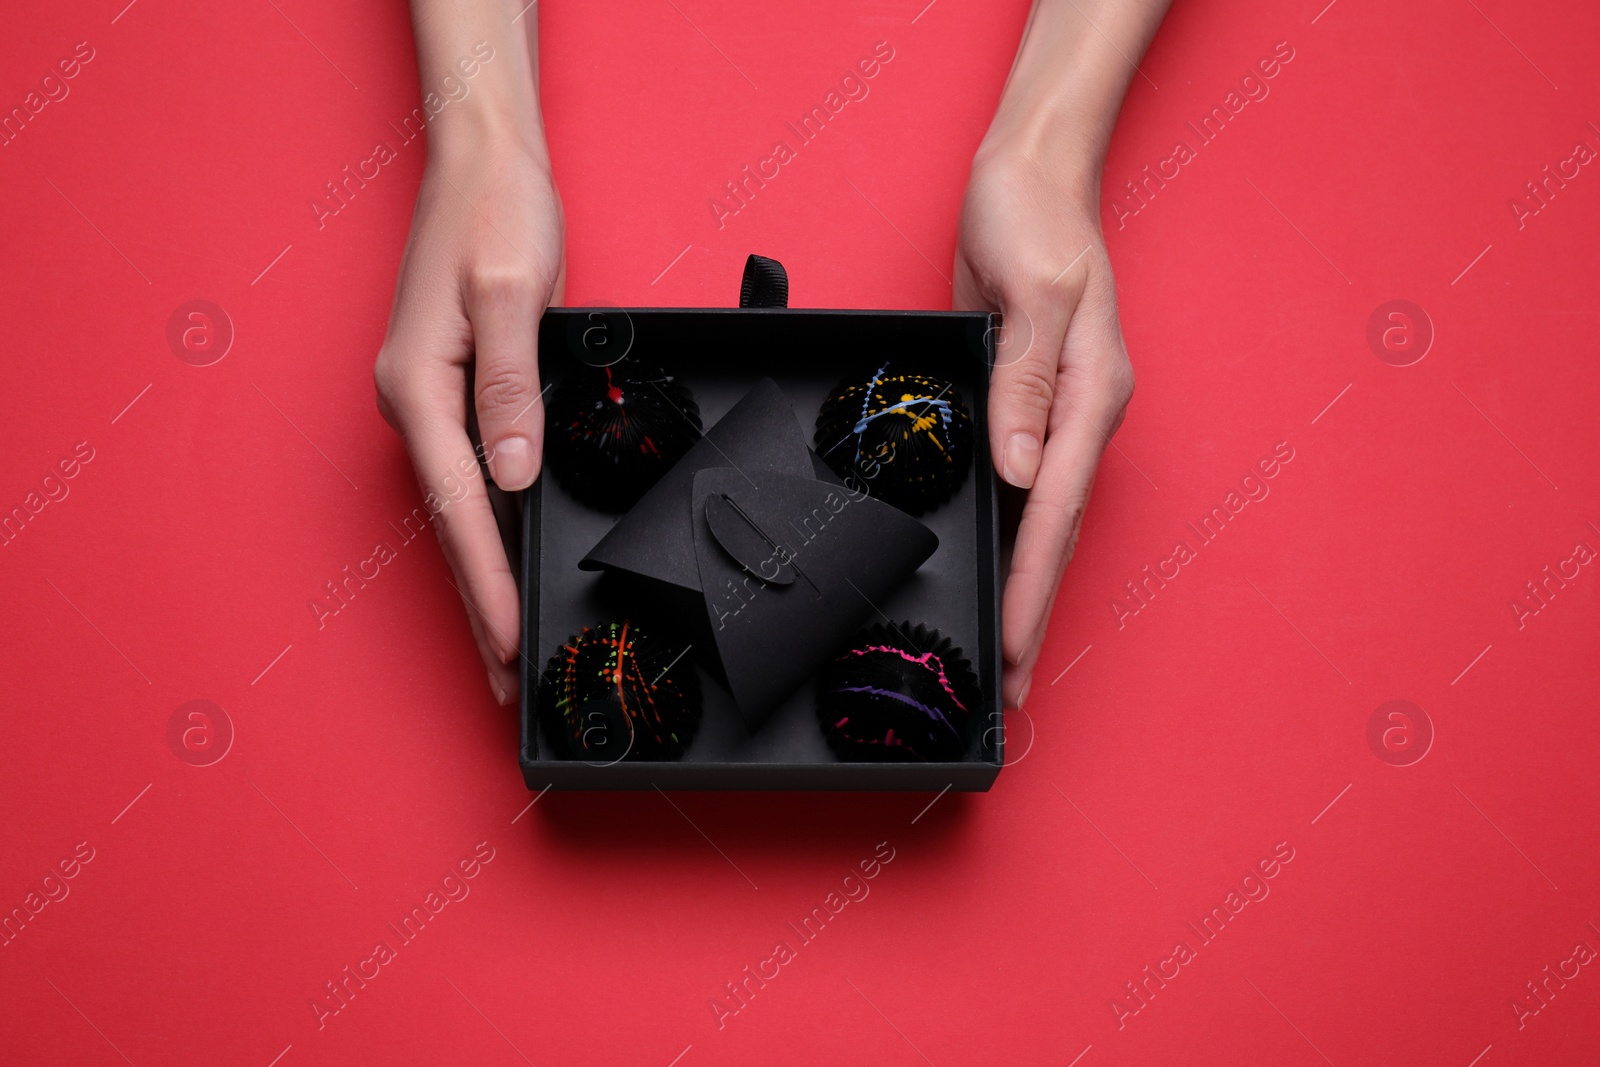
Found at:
<point>765,285</point>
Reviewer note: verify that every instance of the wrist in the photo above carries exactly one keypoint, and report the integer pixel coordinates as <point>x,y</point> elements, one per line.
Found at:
<point>1066,86</point>
<point>1051,138</point>
<point>478,78</point>
<point>480,127</point>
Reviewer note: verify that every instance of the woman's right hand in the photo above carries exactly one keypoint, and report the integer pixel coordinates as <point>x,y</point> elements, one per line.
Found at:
<point>483,261</point>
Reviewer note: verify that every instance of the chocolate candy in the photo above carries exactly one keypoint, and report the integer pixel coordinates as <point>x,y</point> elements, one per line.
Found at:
<point>898,693</point>
<point>611,432</point>
<point>616,692</point>
<point>906,437</point>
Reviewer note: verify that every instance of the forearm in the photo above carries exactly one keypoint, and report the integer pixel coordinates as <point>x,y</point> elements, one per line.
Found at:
<point>1073,66</point>
<point>489,99</point>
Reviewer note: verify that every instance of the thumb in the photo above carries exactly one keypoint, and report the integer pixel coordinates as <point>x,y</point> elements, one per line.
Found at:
<point>504,304</point>
<point>1022,386</point>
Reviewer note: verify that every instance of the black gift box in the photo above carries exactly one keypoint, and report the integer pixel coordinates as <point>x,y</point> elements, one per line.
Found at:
<point>771,737</point>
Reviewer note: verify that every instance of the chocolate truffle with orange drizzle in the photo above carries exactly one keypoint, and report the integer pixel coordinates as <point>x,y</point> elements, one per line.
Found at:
<point>617,692</point>
<point>900,693</point>
<point>611,432</point>
<point>906,437</point>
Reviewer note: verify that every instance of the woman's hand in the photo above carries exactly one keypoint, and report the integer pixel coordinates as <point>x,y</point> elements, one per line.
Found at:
<point>483,261</point>
<point>1030,247</point>
<point>1061,378</point>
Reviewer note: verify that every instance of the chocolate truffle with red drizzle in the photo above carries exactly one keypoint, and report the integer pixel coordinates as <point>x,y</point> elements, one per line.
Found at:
<point>900,693</point>
<point>616,692</point>
<point>905,436</point>
<point>611,432</point>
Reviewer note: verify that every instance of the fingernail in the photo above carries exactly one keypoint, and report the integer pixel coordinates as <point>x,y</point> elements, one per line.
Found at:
<point>1022,697</point>
<point>1021,460</point>
<point>511,463</point>
<point>499,690</point>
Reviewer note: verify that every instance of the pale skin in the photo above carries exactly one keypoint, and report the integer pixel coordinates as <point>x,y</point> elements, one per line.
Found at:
<point>485,259</point>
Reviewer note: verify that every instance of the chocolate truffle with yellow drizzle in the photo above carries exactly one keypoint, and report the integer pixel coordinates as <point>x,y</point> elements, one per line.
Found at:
<point>616,692</point>
<point>904,436</point>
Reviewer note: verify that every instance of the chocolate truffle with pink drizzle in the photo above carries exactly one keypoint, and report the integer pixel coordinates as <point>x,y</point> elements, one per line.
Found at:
<point>899,692</point>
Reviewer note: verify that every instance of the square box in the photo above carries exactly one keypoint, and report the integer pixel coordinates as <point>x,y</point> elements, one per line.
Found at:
<point>720,353</point>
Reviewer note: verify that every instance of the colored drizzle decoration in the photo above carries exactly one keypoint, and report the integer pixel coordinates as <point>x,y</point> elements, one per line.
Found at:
<point>907,698</point>
<point>906,437</point>
<point>920,423</point>
<point>613,431</point>
<point>617,660</point>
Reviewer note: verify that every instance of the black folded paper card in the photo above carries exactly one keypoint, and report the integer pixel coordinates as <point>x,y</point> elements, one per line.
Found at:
<point>761,553</point>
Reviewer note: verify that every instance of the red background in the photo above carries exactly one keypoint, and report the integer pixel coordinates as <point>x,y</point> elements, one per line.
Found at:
<point>1177,751</point>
